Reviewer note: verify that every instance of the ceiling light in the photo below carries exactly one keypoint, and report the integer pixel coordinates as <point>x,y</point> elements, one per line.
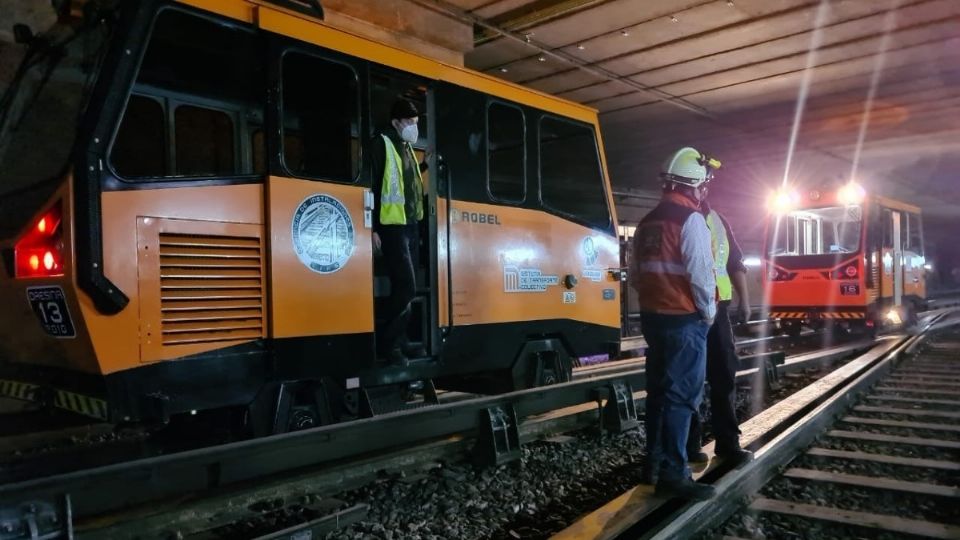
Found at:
<point>580,47</point>
<point>542,58</point>
<point>504,70</point>
<point>624,33</point>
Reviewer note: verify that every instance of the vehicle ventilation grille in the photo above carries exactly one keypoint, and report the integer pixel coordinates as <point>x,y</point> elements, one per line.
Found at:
<point>211,288</point>
<point>874,292</point>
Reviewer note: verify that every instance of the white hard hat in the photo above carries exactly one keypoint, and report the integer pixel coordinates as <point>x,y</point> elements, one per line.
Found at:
<point>685,166</point>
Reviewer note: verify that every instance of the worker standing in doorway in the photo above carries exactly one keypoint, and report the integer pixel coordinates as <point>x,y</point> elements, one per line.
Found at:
<point>672,271</point>
<point>398,210</point>
<point>722,359</point>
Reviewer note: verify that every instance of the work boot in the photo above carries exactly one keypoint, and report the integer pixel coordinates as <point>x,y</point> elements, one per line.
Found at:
<point>735,457</point>
<point>685,489</point>
<point>698,457</point>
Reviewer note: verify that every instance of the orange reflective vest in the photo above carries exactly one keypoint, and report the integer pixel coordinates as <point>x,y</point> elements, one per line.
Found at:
<point>658,272</point>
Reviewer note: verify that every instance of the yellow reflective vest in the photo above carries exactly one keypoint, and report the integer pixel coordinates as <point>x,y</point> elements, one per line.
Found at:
<point>392,197</point>
<point>721,254</point>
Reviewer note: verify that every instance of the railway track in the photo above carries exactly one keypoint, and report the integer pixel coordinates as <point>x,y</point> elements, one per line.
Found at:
<point>77,444</point>
<point>104,489</point>
<point>869,451</point>
<point>446,431</point>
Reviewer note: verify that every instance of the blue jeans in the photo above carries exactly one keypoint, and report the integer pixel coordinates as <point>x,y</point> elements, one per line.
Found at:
<point>675,369</point>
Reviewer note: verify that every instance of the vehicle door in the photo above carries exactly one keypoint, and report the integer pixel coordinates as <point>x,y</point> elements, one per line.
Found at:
<point>318,207</point>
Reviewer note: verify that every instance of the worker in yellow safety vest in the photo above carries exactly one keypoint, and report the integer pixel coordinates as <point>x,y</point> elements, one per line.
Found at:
<point>397,213</point>
<point>722,360</point>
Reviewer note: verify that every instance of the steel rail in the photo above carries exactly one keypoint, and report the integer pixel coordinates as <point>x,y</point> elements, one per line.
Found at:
<point>116,486</point>
<point>634,513</point>
<point>351,473</point>
<point>108,488</point>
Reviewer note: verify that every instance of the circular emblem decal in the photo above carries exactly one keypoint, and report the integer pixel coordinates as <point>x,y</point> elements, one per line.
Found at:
<point>590,251</point>
<point>322,233</point>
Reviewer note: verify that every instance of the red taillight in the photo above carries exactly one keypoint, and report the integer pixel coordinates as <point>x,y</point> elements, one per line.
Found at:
<point>40,252</point>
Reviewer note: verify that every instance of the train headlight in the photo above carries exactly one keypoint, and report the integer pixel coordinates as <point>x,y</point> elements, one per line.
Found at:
<point>851,194</point>
<point>783,200</point>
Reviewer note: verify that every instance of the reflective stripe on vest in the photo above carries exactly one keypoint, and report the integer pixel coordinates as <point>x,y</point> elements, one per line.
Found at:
<point>721,254</point>
<point>392,197</point>
<point>658,273</point>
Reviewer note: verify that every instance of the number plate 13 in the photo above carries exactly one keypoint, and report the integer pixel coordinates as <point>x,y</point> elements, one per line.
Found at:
<point>50,306</point>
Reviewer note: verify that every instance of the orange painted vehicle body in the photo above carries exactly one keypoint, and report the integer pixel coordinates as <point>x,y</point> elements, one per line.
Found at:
<point>832,260</point>
<point>188,291</point>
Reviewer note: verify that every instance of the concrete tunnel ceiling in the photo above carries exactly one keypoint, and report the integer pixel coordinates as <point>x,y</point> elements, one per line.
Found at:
<point>725,76</point>
<point>721,75</point>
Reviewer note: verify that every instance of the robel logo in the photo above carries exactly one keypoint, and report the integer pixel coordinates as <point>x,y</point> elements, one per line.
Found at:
<point>462,216</point>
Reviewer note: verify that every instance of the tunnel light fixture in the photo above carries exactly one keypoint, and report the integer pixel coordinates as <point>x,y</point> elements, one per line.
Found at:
<point>625,33</point>
<point>581,47</point>
<point>542,58</point>
<point>673,18</point>
<point>504,70</point>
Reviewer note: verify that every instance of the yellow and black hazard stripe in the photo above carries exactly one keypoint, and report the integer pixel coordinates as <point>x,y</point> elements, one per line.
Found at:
<point>18,390</point>
<point>843,315</point>
<point>62,399</point>
<point>788,315</point>
<point>81,404</point>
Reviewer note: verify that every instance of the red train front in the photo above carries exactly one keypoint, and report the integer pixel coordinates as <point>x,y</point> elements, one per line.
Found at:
<point>842,257</point>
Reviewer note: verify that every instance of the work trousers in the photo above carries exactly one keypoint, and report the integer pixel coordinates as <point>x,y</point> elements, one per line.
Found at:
<point>395,242</point>
<point>675,370</point>
<point>722,364</point>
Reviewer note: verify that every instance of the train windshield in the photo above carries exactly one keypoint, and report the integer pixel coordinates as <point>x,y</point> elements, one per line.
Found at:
<point>816,231</point>
<point>40,111</point>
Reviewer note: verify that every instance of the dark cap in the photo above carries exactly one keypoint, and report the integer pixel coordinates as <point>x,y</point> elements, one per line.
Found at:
<point>403,108</point>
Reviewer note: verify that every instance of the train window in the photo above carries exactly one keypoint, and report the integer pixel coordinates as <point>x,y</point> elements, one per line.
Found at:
<point>818,231</point>
<point>141,144</point>
<point>205,142</point>
<point>506,153</point>
<point>205,76</point>
<point>914,233</point>
<point>571,181</point>
<point>321,118</point>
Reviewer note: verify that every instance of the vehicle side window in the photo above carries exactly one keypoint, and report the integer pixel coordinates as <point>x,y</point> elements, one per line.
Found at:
<point>205,142</point>
<point>571,180</point>
<point>321,118</point>
<point>141,144</point>
<point>506,153</point>
<point>887,227</point>
<point>196,98</point>
<point>915,233</point>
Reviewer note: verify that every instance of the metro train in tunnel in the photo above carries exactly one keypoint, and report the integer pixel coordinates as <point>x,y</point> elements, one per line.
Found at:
<point>843,257</point>
<point>185,210</point>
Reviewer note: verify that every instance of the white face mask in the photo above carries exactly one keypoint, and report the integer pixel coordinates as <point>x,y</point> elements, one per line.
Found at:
<point>410,133</point>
